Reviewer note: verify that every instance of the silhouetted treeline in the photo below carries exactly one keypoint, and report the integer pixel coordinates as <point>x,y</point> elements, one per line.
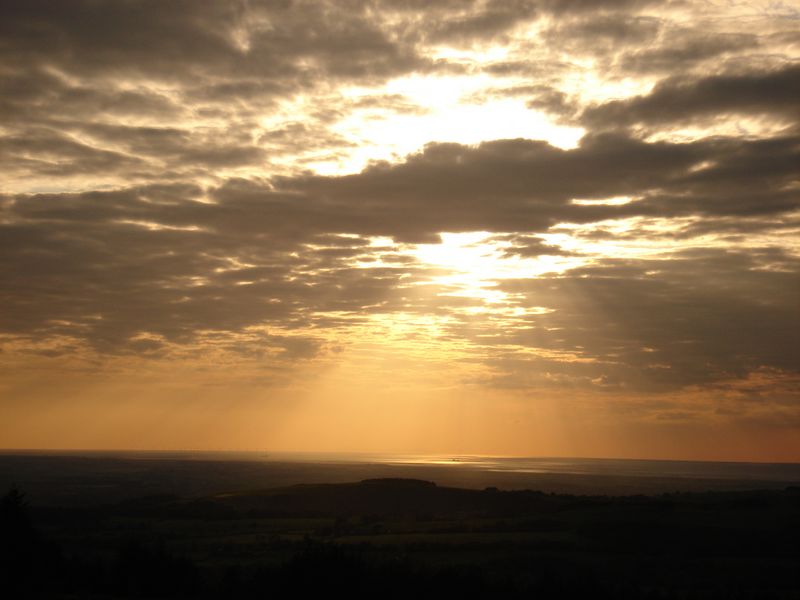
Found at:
<point>29,565</point>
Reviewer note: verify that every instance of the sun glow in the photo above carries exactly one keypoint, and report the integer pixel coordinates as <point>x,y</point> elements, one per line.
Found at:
<point>393,136</point>
<point>474,262</point>
<point>427,109</point>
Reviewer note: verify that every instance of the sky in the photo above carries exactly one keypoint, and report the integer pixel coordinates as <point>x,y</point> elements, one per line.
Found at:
<point>499,227</point>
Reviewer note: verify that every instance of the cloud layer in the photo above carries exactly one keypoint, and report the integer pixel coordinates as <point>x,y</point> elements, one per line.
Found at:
<point>162,195</point>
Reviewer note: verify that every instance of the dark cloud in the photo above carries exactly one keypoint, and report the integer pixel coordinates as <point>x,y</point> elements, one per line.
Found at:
<point>660,324</point>
<point>553,101</point>
<point>42,151</point>
<point>37,93</point>
<point>683,49</point>
<point>602,34</point>
<point>488,21</point>
<point>626,43</point>
<point>680,100</point>
<point>563,7</point>
<point>618,28</point>
<point>184,40</point>
<point>527,246</point>
<point>109,282</point>
<point>523,185</point>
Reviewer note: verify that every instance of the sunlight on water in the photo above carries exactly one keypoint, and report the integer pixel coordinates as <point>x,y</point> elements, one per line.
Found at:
<point>572,466</point>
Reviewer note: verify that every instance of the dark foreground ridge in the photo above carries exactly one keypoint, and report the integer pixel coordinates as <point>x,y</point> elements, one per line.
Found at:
<point>397,538</point>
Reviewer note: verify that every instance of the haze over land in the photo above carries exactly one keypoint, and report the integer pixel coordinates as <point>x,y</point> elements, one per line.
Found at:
<point>496,227</point>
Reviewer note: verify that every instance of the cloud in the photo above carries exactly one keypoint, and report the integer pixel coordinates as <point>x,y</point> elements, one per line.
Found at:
<point>682,49</point>
<point>121,91</point>
<point>481,24</point>
<point>659,324</point>
<point>160,197</point>
<point>685,100</point>
<point>184,40</point>
<point>163,260</point>
<point>525,185</point>
<point>504,186</point>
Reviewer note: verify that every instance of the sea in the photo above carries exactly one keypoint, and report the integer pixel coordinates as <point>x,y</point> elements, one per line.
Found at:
<point>78,476</point>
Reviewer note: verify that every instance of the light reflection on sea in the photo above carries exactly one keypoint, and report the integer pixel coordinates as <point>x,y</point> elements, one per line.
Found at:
<point>572,466</point>
<point>609,467</point>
